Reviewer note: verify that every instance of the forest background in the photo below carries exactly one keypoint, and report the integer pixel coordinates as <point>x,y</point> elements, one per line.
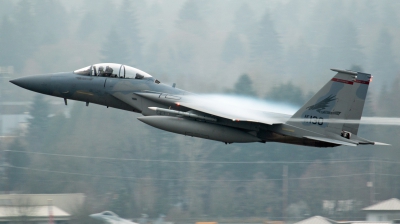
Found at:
<point>272,50</point>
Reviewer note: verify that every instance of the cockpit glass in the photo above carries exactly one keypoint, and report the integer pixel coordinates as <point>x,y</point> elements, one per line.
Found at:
<point>83,71</point>
<point>113,70</point>
<point>134,73</point>
<point>107,70</point>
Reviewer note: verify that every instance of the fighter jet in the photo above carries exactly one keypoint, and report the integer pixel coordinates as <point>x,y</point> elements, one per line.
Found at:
<point>321,122</point>
<point>110,218</point>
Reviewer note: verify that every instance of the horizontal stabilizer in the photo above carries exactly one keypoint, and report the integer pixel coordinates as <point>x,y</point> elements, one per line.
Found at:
<point>329,140</point>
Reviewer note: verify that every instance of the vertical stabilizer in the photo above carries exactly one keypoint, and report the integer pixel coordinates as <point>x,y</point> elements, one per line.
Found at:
<point>360,89</point>
<point>342,97</point>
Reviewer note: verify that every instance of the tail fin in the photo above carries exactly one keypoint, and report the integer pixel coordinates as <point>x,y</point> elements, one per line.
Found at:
<point>360,88</point>
<point>342,97</point>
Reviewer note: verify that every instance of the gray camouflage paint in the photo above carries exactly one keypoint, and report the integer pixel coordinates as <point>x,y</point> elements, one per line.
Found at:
<point>337,99</point>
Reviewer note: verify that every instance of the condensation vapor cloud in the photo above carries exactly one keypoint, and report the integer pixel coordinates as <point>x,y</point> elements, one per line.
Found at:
<point>248,107</point>
<point>240,108</point>
<point>237,102</point>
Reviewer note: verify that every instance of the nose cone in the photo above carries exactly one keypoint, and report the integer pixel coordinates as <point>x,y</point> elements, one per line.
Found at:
<point>37,83</point>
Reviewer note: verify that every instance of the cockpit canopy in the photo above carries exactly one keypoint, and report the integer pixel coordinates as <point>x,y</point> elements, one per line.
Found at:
<point>113,70</point>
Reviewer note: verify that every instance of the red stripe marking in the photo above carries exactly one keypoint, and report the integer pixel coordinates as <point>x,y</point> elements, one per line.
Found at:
<point>342,81</point>
<point>362,82</point>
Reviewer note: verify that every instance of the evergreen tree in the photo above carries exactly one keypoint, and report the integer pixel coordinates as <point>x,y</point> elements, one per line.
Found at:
<point>244,21</point>
<point>369,7</point>
<point>27,33</point>
<point>115,49</point>
<point>389,11</point>
<point>322,14</point>
<point>341,48</point>
<point>88,25</point>
<point>190,18</point>
<point>244,86</point>
<point>356,68</point>
<point>384,63</point>
<point>16,176</point>
<point>190,11</point>
<point>99,17</point>
<point>128,22</point>
<point>233,48</point>
<point>6,8</point>
<point>120,203</point>
<point>287,92</point>
<point>38,123</point>
<point>8,52</point>
<point>245,26</point>
<point>18,38</point>
<point>50,30</point>
<point>299,60</point>
<point>266,47</point>
<point>383,101</point>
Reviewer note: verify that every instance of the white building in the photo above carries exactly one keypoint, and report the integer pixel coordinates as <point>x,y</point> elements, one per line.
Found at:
<point>33,214</point>
<point>388,210</point>
<point>384,212</point>
<point>317,220</point>
<point>39,208</point>
<point>323,220</point>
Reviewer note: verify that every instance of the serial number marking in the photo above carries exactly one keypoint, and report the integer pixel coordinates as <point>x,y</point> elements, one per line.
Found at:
<point>313,120</point>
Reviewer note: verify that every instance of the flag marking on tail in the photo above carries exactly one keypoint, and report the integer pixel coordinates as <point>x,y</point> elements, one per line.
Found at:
<point>342,81</point>
<point>362,82</point>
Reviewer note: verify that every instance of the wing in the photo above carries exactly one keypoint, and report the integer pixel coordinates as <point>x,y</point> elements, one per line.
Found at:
<point>228,107</point>
<point>233,111</point>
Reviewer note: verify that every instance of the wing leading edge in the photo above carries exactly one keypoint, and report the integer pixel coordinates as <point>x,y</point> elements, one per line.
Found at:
<point>238,114</point>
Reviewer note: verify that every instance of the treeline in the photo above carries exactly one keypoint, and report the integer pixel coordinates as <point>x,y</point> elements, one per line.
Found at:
<point>273,51</point>
<point>192,43</point>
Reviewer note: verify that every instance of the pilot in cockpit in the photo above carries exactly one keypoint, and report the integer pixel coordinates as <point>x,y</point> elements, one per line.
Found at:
<point>101,71</point>
<point>108,72</point>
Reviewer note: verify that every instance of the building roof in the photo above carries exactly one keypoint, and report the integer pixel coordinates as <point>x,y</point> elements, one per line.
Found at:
<point>316,220</point>
<point>323,220</point>
<point>388,205</point>
<point>32,212</point>
<point>368,222</point>
<point>66,202</point>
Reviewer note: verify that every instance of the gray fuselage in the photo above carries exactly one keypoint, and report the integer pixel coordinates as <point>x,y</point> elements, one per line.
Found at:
<point>140,94</point>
